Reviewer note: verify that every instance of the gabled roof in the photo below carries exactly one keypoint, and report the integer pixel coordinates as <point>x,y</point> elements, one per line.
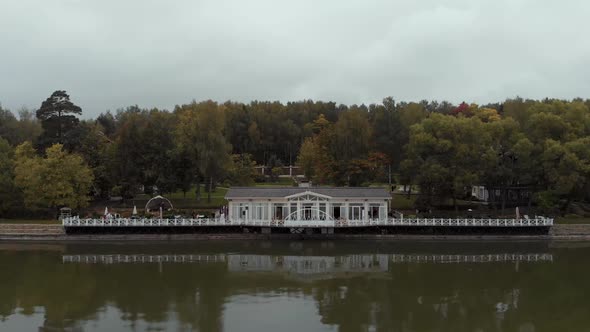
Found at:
<point>308,192</point>
<point>283,192</point>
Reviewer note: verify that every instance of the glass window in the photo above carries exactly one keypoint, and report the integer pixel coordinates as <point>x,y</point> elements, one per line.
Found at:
<point>374,211</point>
<point>243,211</point>
<point>278,211</point>
<point>307,212</point>
<point>336,212</point>
<point>260,211</point>
<point>355,212</point>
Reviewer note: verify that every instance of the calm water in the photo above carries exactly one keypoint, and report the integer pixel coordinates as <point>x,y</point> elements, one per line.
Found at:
<point>295,286</point>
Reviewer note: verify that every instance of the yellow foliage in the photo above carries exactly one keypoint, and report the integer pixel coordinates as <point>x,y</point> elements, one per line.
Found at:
<point>487,114</point>
<point>60,179</point>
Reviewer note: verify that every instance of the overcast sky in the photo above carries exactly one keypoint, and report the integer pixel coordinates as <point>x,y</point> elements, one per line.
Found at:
<point>112,53</point>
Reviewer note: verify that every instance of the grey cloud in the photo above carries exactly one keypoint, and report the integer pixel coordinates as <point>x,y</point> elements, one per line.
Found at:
<point>110,54</point>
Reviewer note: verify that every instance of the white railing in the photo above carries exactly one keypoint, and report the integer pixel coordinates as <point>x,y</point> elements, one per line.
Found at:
<point>417,222</point>
<point>119,258</point>
<point>306,264</point>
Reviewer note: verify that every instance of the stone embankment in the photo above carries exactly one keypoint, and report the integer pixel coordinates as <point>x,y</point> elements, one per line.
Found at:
<point>40,230</point>
<point>56,232</point>
<point>573,231</point>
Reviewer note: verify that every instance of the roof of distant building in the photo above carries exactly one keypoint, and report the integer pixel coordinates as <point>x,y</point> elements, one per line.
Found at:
<point>336,192</point>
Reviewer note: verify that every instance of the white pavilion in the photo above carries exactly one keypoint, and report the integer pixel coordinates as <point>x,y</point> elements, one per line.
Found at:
<point>312,204</point>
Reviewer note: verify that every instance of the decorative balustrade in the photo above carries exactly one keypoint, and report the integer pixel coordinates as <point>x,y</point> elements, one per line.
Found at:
<point>417,222</point>
<point>303,264</point>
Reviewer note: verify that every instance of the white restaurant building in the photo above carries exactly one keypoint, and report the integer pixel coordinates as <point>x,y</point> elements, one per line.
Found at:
<point>313,205</point>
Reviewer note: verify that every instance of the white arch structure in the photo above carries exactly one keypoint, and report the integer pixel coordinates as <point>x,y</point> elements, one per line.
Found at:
<point>309,214</point>
<point>158,197</point>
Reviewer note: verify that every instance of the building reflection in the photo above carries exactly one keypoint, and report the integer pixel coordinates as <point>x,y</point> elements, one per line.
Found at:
<point>477,288</point>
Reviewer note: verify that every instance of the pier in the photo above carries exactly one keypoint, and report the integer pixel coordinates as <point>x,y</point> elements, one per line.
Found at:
<point>428,226</point>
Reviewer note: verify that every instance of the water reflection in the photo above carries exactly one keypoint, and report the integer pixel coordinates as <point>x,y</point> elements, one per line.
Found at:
<point>313,286</point>
<point>303,263</point>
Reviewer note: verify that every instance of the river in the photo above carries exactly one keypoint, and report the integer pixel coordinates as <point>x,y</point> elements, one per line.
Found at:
<point>295,286</point>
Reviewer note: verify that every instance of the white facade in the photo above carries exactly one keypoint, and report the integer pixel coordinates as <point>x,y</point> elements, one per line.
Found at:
<point>307,206</point>
<point>481,193</point>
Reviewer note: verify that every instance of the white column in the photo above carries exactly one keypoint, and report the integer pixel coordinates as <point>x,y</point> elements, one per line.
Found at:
<point>317,208</point>
<point>366,211</point>
<point>346,210</point>
<point>270,212</point>
<point>298,210</point>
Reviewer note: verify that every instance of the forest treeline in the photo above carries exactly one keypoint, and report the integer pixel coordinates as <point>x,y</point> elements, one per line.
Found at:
<point>51,157</point>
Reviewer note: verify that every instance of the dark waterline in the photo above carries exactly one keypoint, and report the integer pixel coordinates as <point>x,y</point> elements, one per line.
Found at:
<point>295,286</point>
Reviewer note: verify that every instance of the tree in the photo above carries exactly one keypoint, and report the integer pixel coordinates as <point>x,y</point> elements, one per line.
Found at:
<point>242,171</point>
<point>352,133</point>
<point>567,169</point>
<point>96,149</point>
<point>316,153</point>
<point>506,159</point>
<point>308,155</point>
<point>9,194</point>
<point>386,124</point>
<point>108,123</point>
<point>444,156</point>
<point>8,126</point>
<point>16,131</point>
<point>200,135</point>
<point>274,168</point>
<point>60,179</point>
<point>58,117</point>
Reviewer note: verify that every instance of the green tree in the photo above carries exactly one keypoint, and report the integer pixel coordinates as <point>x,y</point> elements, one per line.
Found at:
<point>96,148</point>
<point>9,195</point>
<point>242,171</point>
<point>385,121</point>
<point>316,154</point>
<point>507,159</point>
<point>444,156</point>
<point>274,168</point>
<point>59,179</point>
<point>58,117</point>
<point>200,135</point>
<point>307,158</point>
<point>16,131</point>
<point>8,126</point>
<point>567,169</point>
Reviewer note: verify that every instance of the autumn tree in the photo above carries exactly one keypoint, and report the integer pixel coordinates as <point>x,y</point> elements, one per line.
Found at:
<point>59,179</point>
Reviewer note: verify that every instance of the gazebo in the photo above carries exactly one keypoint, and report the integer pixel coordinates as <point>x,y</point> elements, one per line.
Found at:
<point>158,203</point>
<point>65,212</point>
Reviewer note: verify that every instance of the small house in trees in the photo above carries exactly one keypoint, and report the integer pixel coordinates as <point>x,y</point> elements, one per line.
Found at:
<point>512,196</point>
<point>314,204</point>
